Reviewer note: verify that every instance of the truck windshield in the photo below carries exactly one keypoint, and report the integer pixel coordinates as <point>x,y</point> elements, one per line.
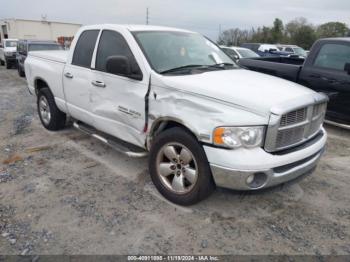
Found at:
<point>170,50</point>
<point>40,47</point>
<point>11,43</point>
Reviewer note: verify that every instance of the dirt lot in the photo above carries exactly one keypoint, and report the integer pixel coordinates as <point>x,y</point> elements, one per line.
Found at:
<point>66,193</point>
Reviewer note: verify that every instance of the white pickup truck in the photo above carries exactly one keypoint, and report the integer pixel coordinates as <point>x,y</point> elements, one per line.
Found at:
<point>173,94</point>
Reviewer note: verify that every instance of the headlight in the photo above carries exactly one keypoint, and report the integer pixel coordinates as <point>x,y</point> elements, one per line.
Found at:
<point>234,137</point>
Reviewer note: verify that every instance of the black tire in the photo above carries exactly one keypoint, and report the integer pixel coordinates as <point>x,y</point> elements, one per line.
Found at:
<point>20,71</point>
<point>204,184</point>
<point>58,118</point>
<point>2,62</point>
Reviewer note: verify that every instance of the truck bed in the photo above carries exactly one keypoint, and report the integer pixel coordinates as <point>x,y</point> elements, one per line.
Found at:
<point>284,67</point>
<point>59,56</point>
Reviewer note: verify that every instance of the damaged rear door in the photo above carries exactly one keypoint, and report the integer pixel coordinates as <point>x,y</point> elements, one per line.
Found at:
<point>117,101</point>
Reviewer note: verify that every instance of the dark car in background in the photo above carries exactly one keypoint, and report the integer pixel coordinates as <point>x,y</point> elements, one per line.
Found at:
<point>265,50</point>
<point>25,46</point>
<point>326,69</point>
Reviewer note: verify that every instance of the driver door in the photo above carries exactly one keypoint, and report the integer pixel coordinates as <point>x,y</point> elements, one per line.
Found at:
<point>117,101</point>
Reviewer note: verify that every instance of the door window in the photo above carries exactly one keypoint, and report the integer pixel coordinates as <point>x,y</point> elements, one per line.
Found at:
<point>113,44</point>
<point>85,48</point>
<point>333,56</point>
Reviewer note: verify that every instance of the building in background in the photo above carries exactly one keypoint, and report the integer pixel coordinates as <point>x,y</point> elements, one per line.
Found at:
<point>35,29</point>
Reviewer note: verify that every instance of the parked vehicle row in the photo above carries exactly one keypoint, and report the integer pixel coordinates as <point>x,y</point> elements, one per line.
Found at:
<point>265,50</point>
<point>326,69</point>
<point>13,52</point>
<point>176,96</point>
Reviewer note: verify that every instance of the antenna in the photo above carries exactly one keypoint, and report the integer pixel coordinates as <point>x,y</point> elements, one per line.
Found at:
<point>147,16</point>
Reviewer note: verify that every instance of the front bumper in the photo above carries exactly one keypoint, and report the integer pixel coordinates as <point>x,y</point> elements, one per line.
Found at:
<point>252,169</point>
<point>10,59</point>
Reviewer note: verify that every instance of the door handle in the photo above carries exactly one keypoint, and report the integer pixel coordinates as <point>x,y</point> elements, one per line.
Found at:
<point>98,83</point>
<point>68,75</point>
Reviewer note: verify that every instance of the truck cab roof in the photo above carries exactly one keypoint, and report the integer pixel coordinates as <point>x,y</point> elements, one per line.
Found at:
<point>134,27</point>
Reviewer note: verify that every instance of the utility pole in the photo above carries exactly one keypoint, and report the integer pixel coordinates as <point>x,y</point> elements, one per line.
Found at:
<point>147,16</point>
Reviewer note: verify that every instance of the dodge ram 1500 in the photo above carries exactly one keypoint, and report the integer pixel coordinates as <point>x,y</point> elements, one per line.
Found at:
<point>175,95</point>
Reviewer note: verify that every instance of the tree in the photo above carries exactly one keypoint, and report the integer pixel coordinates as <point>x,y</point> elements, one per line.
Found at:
<point>233,37</point>
<point>300,32</point>
<point>277,31</point>
<point>332,29</point>
<point>304,37</point>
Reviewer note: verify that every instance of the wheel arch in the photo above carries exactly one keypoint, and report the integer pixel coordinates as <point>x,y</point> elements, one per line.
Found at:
<point>40,83</point>
<point>163,123</point>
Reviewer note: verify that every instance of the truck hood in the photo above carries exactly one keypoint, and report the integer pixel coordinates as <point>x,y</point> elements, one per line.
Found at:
<point>257,92</point>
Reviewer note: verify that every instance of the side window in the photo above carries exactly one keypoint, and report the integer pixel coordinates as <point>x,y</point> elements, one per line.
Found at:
<point>84,48</point>
<point>113,44</point>
<point>288,49</point>
<point>333,56</point>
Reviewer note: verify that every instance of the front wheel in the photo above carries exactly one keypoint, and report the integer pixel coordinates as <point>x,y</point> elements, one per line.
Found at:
<point>50,116</point>
<point>179,167</point>
<point>20,71</point>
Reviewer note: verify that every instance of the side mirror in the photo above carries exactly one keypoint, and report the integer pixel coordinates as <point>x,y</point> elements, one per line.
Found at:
<point>347,68</point>
<point>120,65</point>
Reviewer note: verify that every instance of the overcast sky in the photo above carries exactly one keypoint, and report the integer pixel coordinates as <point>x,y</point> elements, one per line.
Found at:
<point>203,16</point>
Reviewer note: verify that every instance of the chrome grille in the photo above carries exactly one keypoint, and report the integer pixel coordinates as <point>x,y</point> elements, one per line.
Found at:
<point>289,136</point>
<point>294,117</point>
<point>295,127</point>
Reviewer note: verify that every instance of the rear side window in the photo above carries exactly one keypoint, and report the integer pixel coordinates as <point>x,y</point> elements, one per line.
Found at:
<point>113,44</point>
<point>85,48</point>
<point>333,56</point>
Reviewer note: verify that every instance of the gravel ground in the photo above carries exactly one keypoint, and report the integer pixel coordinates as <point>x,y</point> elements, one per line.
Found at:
<point>66,193</point>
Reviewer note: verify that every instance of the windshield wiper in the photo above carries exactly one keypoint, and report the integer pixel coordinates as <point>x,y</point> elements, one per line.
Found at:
<point>221,65</point>
<point>181,68</point>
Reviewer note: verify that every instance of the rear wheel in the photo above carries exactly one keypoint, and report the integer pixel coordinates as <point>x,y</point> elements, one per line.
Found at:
<point>50,116</point>
<point>8,64</point>
<point>179,167</point>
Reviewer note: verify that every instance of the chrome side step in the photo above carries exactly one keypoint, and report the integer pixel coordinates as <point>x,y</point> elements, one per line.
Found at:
<point>117,145</point>
<point>337,124</point>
